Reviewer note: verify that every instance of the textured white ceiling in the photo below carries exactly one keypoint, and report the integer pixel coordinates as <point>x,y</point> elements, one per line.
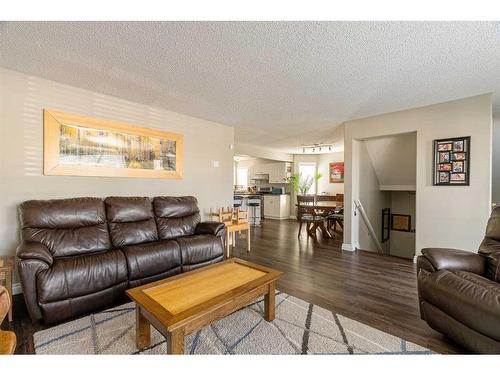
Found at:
<point>281,84</point>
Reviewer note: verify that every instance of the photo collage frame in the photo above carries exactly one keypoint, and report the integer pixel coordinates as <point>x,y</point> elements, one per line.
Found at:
<point>452,161</point>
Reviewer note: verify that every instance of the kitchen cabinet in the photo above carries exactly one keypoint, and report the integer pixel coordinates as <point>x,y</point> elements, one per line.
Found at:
<point>258,170</point>
<point>277,206</point>
<point>278,172</point>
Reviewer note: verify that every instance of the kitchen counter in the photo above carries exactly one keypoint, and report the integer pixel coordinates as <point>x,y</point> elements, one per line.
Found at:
<point>277,206</point>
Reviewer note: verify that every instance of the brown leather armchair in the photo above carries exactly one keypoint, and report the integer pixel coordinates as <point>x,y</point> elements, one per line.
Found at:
<point>78,255</point>
<point>459,291</point>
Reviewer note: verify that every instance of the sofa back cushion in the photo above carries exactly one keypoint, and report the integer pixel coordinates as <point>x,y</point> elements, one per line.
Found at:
<point>493,228</point>
<point>66,226</point>
<point>176,216</point>
<point>490,249</point>
<point>130,220</point>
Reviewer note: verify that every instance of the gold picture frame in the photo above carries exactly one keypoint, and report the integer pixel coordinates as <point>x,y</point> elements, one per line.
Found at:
<point>77,145</point>
<point>401,223</point>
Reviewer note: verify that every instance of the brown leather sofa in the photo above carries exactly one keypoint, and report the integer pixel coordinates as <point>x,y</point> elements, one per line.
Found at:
<point>459,291</point>
<point>78,255</point>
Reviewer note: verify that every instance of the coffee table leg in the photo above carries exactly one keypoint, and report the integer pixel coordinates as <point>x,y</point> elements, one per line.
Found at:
<point>269,303</point>
<point>142,330</point>
<point>175,342</point>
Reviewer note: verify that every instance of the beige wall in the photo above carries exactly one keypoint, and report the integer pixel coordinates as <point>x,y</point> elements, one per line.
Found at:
<point>22,99</point>
<point>394,160</point>
<point>324,185</point>
<point>446,216</point>
<point>402,244</point>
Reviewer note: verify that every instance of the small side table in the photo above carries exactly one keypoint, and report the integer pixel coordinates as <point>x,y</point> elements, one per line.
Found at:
<point>6,269</point>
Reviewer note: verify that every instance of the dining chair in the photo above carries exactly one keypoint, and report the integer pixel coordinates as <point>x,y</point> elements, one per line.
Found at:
<point>306,214</point>
<point>337,218</point>
<point>236,221</point>
<point>7,338</point>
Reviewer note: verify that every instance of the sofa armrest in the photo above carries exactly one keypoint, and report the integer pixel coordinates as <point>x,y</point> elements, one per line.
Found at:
<point>33,258</point>
<point>211,227</point>
<point>454,259</point>
<point>34,251</point>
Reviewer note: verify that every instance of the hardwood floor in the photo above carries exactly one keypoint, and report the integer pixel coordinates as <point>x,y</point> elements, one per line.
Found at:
<point>374,289</point>
<point>378,290</point>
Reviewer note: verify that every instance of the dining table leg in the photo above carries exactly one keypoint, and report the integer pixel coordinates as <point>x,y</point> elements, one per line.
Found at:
<point>324,230</point>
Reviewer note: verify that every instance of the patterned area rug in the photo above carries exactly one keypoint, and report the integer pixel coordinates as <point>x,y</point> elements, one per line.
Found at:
<point>299,328</point>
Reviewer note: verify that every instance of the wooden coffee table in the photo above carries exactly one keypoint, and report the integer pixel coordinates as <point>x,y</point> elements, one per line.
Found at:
<point>185,303</point>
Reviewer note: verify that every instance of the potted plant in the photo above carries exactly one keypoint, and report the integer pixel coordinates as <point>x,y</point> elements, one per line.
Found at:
<point>301,184</point>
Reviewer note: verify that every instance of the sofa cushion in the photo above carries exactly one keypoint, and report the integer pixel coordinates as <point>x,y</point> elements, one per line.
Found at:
<point>200,250</point>
<point>154,258</point>
<point>490,249</point>
<point>493,228</point>
<point>176,216</point>
<point>81,275</point>
<point>130,220</point>
<point>66,226</point>
<point>469,298</point>
<point>57,311</point>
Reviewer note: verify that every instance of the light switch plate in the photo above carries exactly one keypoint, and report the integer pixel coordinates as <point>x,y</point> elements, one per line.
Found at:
<point>215,163</point>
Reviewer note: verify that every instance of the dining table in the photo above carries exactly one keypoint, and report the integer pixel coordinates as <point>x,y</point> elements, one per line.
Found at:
<point>322,208</point>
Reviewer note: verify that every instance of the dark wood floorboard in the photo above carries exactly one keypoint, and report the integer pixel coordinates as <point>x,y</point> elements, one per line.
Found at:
<point>377,290</point>
<point>374,289</point>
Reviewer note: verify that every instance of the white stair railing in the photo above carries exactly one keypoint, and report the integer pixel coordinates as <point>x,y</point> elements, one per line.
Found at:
<point>371,232</point>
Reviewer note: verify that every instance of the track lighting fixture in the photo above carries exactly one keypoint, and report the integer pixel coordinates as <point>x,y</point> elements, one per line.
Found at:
<point>317,146</point>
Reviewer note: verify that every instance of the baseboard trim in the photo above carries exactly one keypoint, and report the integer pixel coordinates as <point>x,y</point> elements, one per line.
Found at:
<point>16,288</point>
<point>348,247</point>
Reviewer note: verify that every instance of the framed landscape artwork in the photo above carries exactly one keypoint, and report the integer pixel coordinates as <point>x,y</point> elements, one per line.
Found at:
<point>452,161</point>
<point>82,146</point>
<point>336,172</point>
